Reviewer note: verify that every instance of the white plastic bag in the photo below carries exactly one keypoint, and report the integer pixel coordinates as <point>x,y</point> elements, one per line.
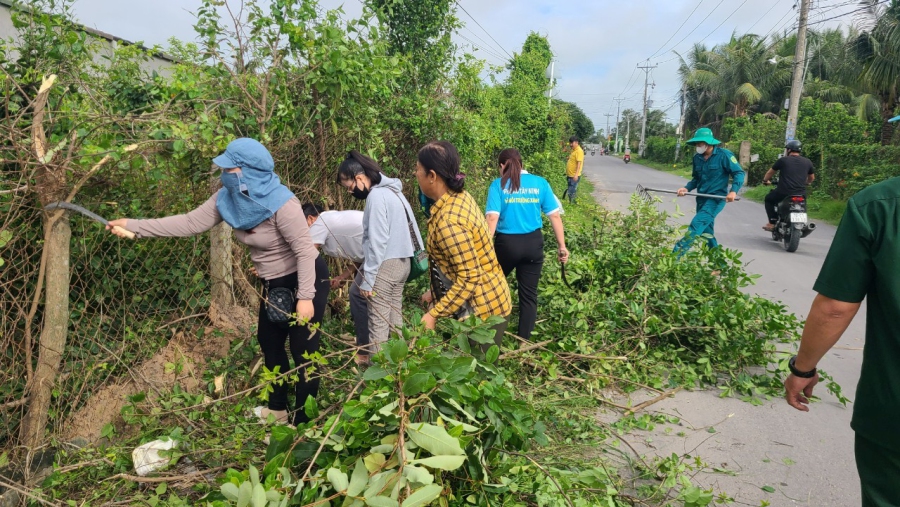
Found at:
<point>147,459</point>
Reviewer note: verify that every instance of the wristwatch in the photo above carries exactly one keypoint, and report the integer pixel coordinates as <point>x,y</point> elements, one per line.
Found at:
<point>798,373</point>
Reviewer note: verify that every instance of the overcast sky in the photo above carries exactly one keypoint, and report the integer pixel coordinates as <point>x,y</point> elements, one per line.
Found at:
<point>597,43</point>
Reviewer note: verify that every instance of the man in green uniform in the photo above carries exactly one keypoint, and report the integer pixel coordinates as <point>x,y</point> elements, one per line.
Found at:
<point>862,263</point>
<point>713,166</point>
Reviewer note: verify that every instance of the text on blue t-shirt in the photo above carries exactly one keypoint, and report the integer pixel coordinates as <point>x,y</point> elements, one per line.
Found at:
<point>520,211</point>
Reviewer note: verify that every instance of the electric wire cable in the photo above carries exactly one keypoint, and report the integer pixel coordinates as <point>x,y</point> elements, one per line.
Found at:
<point>485,31</point>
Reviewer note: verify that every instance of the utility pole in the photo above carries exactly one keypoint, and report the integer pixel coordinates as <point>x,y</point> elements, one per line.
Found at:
<point>618,106</point>
<point>628,134</point>
<point>681,121</point>
<point>797,80</point>
<point>646,68</point>
<point>606,134</point>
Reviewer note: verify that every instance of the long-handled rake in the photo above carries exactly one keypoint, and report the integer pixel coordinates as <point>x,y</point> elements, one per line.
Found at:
<point>644,192</point>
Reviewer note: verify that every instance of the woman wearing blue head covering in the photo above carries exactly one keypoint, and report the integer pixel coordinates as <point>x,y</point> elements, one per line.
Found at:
<point>268,218</point>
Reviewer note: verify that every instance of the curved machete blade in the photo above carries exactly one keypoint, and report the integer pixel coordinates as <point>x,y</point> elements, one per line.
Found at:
<point>74,207</point>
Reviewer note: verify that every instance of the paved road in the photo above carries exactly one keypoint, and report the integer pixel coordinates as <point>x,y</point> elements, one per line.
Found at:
<point>806,457</point>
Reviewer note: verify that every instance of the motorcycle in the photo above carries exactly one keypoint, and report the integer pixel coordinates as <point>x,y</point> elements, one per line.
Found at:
<point>627,158</point>
<point>793,222</point>
<point>592,153</point>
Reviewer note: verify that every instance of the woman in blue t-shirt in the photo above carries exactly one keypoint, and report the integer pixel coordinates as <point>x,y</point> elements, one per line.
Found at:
<point>514,205</point>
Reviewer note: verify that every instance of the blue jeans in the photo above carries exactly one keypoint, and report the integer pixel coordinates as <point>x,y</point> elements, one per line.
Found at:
<point>703,223</point>
<point>573,186</point>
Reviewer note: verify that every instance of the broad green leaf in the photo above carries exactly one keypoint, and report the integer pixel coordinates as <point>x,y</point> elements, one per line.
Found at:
<point>245,494</point>
<point>459,407</point>
<point>381,483</point>
<point>374,373</point>
<point>338,480</point>
<point>359,479</point>
<point>492,354</point>
<point>259,496</point>
<point>230,491</point>
<point>468,428</point>
<point>441,462</point>
<point>374,461</point>
<point>386,410</point>
<point>768,489</point>
<point>434,439</point>
<point>381,501</point>
<point>280,440</point>
<point>418,475</point>
<point>418,383</point>
<point>422,496</point>
<point>254,475</point>
<point>397,350</point>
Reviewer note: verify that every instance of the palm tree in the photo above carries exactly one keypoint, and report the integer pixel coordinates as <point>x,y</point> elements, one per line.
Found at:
<point>877,47</point>
<point>732,79</point>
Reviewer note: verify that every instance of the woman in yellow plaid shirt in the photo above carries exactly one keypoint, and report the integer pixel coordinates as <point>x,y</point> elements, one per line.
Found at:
<point>459,242</point>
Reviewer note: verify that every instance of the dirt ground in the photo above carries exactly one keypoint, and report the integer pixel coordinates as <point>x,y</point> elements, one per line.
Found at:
<point>151,376</point>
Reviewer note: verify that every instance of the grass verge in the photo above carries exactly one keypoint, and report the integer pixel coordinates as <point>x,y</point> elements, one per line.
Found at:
<point>678,169</point>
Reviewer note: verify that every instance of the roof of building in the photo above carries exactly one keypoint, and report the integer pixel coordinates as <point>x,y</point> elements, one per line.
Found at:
<point>103,35</point>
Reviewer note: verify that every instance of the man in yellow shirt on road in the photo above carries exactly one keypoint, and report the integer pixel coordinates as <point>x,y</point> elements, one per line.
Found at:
<point>573,167</point>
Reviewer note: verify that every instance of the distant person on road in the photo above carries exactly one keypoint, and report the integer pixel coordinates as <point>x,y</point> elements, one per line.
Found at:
<point>714,166</point>
<point>574,167</point>
<point>340,236</point>
<point>796,172</point>
<point>861,263</point>
<point>514,204</point>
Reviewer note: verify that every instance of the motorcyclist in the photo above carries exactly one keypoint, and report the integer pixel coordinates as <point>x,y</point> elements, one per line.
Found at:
<point>796,172</point>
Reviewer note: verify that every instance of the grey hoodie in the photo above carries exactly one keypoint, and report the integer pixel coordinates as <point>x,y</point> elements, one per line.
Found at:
<point>385,228</point>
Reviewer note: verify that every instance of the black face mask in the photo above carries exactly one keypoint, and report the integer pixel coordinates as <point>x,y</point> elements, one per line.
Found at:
<point>360,193</point>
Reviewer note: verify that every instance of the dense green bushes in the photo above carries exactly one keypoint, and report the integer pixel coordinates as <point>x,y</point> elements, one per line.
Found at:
<point>843,148</point>
<point>662,150</point>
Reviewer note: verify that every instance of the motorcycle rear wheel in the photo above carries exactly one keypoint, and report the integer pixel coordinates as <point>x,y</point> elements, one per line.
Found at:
<point>792,240</point>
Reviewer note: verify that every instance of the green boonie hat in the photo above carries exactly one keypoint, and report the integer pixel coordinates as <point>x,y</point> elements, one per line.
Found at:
<point>703,135</point>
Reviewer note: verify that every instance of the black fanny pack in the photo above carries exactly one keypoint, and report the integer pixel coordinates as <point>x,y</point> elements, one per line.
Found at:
<point>440,286</point>
<point>280,303</point>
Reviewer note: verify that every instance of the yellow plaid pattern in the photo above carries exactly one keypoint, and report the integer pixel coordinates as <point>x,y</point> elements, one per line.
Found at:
<point>458,243</point>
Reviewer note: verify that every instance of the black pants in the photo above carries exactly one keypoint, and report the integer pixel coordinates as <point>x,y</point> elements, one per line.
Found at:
<point>773,199</point>
<point>272,335</point>
<point>525,254</point>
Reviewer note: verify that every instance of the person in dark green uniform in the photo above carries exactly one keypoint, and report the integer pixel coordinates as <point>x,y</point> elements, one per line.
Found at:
<point>713,167</point>
<point>862,263</point>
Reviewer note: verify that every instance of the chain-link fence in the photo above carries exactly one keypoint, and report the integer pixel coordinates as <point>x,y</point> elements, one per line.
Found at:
<point>136,308</point>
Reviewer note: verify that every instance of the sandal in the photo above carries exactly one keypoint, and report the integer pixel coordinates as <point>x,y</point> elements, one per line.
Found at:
<point>262,413</point>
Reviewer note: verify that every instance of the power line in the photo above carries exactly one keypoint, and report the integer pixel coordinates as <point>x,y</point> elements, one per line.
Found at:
<point>764,15</point>
<point>849,13</point>
<point>676,30</point>
<point>483,42</point>
<point>724,20</point>
<point>698,25</point>
<point>486,51</point>
<point>628,85</point>
<point>485,31</point>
